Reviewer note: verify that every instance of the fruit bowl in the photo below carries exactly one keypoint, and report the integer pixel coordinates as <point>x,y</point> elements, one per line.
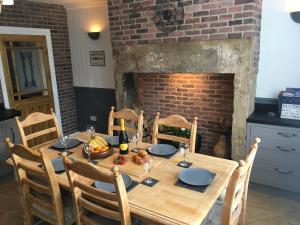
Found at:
<point>98,147</point>
<point>98,154</point>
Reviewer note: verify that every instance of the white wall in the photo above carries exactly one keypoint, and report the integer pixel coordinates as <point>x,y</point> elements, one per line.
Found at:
<point>279,65</point>
<point>81,21</point>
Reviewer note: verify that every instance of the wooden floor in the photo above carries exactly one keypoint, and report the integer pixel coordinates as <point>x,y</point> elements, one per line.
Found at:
<point>266,206</point>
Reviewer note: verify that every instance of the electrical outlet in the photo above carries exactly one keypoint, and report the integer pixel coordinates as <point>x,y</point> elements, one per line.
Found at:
<point>93,118</point>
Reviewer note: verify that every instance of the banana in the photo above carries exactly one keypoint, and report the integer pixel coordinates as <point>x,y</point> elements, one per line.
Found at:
<point>98,142</point>
<point>95,143</point>
<point>101,140</point>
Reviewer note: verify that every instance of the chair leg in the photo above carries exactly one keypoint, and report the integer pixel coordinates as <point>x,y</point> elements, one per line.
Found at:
<point>27,216</point>
<point>28,219</point>
<point>242,219</point>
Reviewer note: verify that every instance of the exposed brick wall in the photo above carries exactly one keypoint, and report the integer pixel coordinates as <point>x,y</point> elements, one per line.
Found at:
<point>53,17</point>
<point>131,21</point>
<point>208,97</point>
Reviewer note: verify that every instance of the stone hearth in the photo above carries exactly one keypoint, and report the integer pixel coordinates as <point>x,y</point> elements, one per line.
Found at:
<point>210,57</point>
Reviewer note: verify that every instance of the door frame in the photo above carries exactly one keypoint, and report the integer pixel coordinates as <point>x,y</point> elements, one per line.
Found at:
<point>39,32</point>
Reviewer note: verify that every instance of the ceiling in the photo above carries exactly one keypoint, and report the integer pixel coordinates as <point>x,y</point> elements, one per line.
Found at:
<point>69,4</point>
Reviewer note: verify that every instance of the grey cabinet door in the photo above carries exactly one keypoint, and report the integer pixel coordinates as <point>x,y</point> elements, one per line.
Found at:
<point>9,129</point>
<point>278,156</point>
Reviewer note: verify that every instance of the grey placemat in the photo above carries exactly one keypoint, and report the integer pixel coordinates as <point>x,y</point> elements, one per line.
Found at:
<point>59,172</point>
<point>132,185</point>
<point>62,149</point>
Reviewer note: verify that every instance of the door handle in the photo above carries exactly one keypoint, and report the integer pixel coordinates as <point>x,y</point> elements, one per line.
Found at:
<point>287,135</point>
<point>285,149</point>
<point>282,171</point>
<point>13,136</point>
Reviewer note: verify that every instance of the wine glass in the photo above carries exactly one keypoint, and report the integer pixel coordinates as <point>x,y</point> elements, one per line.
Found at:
<point>65,141</point>
<point>134,141</point>
<point>184,148</point>
<point>91,131</point>
<point>88,151</point>
<point>138,137</point>
<point>148,165</point>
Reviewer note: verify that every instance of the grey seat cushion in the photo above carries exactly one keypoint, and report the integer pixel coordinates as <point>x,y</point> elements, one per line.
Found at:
<point>105,221</point>
<point>214,215</point>
<point>67,207</point>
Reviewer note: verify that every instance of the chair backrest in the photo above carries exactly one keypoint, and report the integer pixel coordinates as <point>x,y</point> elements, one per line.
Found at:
<point>234,210</point>
<point>38,128</point>
<point>87,198</point>
<point>178,122</point>
<point>127,115</point>
<point>39,189</point>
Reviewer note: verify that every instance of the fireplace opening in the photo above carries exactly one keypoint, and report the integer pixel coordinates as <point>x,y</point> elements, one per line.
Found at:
<point>206,96</point>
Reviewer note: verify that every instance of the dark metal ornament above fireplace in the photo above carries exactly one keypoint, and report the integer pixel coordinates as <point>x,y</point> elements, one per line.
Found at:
<point>169,16</point>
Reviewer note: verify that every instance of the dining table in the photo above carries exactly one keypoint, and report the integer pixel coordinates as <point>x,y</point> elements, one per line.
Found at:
<point>165,203</point>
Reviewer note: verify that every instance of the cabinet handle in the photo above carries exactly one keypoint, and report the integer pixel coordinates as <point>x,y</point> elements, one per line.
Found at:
<point>285,149</point>
<point>13,135</point>
<point>287,135</point>
<point>281,171</point>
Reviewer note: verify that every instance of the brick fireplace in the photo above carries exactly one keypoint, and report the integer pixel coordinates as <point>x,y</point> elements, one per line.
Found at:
<point>217,39</point>
<point>206,96</point>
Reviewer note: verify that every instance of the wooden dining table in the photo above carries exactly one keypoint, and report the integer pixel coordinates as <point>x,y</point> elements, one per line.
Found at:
<point>165,203</point>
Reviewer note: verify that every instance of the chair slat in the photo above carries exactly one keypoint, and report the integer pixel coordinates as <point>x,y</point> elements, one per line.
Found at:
<point>236,215</point>
<point>43,216</point>
<point>31,168</point>
<point>173,138</point>
<point>101,200</point>
<point>37,187</point>
<point>88,221</point>
<point>40,133</point>
<point>85,170</point>
<point>99,210</point>
<point>38,202</point>
<point>178,122</point>
<point>95,191</point>
<point>129,115</point>
<point>36,118</point>
<point>128,129</point>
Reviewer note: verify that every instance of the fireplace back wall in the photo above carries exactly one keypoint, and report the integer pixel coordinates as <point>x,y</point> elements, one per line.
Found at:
<point>206,96</point>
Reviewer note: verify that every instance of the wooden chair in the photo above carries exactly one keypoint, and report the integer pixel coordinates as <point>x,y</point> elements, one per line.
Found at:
<point>38,128</point>
<point>39,189</point>
<point>178,122</point>
<point>234,206</point>
<point>127,115</point>
<point>94,206</point>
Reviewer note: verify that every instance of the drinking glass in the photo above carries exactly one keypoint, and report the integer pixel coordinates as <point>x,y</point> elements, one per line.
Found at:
<point>88,152</point>
<point>138,137</point>
<point>148,165</point>
<point>65,141</point>
<point>184,149</point>
<point>134,141</point>
<point>91,131</point>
